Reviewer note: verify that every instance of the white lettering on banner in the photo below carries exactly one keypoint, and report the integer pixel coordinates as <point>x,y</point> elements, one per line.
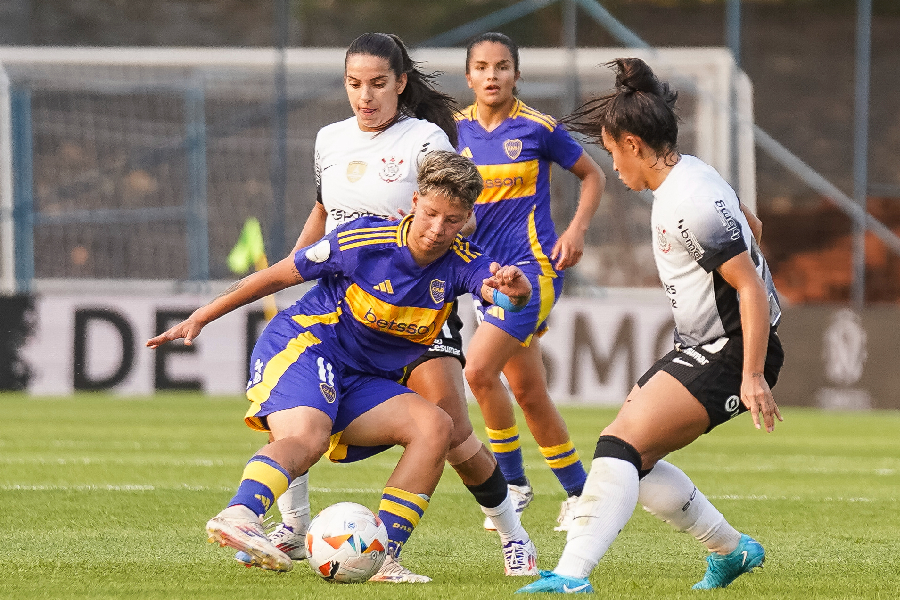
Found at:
<point>594,350</point>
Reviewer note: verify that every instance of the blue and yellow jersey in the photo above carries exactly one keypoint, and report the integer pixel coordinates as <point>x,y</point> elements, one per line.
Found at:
<point>373,302</point>
<point>513,211</point>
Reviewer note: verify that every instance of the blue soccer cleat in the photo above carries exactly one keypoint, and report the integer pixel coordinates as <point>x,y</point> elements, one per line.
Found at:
<point>723,569</point>
<point>551,583</point>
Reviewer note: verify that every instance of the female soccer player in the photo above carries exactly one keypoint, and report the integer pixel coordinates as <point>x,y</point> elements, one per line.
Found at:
<point>324,373</point>
<point>727,354</point>
<point>514,147</point>
<point>366,165</point>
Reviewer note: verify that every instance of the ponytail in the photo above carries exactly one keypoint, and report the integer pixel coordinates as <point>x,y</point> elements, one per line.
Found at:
<point>641,104</point>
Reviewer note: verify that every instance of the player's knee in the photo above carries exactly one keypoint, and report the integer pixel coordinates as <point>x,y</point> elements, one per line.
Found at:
<point>480,375</point>
<point>610,446</point>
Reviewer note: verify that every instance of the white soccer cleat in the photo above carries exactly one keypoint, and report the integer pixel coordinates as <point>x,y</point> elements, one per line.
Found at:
<point>240,528</point>
<point>290,540</point>
<point>393,572</point>
<point>566,514</point>
<point>520,557</point>
<point>520,496</point>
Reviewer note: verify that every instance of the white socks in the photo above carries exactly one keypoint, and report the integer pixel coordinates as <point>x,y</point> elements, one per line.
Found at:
<point>294,504</point>
<point>610,494</point>
<point>506,520</point>
<point>668,494</point>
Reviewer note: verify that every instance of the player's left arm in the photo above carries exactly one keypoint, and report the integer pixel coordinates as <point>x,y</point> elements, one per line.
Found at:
<point>569,248</point>
<point>507,287</point>
<point>279,276</point>
<point>740,273</point>
<point>753,222</point>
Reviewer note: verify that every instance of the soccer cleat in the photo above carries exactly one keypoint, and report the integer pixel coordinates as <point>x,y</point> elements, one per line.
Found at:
<point>551,583</point>
<point>520,495</point>
<point>285,539</point>
<point>393,572</point>
<point>240,528</point>
<point>520,557</point>
<point>722,569</point>
<point>566,514</point>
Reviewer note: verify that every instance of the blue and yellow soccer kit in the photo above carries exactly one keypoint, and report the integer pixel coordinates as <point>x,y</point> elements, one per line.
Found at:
<point>513,212</point>
<point>344,345</point>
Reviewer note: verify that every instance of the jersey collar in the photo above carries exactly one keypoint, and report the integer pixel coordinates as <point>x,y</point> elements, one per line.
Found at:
<point>403,230</point>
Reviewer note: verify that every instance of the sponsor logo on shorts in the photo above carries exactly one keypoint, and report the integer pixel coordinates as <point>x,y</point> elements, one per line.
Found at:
<point>701,360</point>
<point>681,361</point>
<point>732,405</point>
<point>436,288</point>
<point>513,148</point>
<point>257,373</point>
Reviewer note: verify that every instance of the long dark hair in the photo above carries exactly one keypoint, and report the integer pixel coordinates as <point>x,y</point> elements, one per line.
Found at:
<point>641,104</point>
<point>420,98</point>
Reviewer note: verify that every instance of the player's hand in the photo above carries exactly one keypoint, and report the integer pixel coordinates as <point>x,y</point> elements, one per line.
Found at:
<point>186,329</point>
<point>569,249</point>
<point>757,397</point>
<point>511,281</point>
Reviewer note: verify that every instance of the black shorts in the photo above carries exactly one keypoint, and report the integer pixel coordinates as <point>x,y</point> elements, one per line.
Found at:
<point>449,343</point>
<point>712,373</point>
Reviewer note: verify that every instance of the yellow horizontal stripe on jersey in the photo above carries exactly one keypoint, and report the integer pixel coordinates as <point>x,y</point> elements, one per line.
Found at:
<point>414,323</point>
<point>510,180</point>
<point>368,242</point>
<point>391,229</point>
<point>310,320</point>
<point>275,368</point>
<point>537,117</point>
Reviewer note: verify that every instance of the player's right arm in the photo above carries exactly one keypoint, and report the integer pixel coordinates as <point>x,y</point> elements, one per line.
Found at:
<point>314,228</point>
<point>279,276</point>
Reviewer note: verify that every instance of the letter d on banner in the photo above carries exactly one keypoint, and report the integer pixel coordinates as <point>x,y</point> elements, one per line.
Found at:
<point>82,380</point>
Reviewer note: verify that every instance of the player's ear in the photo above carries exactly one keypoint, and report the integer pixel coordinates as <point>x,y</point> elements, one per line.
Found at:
<point>415,201</point>
<point>401,83</point>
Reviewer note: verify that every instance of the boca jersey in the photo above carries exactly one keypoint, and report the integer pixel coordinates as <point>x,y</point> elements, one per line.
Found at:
<point>373,303</point>
<point>513,210</point>
<point>360,173</point>
<point>697,226</point>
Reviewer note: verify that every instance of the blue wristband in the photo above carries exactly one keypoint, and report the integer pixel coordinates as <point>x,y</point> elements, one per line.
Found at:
<point>503,301</point>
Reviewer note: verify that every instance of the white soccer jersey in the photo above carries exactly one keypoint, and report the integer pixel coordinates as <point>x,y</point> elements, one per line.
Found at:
<point>361,173</point>
<point>697,226</point>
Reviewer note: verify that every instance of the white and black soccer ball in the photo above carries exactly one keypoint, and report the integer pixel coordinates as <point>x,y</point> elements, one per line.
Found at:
<point>346,543</point>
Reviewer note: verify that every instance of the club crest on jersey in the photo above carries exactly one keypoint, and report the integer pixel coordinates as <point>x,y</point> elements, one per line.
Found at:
<point>437,291</point>
<point>355,170</point>
<point>513,148</point>
<point>328,393</point>
<point>662,241</point>
<point>390,172</point>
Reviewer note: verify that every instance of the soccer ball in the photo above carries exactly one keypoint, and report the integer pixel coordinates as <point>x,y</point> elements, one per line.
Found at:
<point>346,542</point>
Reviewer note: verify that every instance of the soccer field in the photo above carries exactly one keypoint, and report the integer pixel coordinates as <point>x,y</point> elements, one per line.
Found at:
<point>107,498</point>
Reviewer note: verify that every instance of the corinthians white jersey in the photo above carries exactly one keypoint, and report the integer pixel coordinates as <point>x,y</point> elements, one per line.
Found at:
<point>363,173</point>
<point>697,226</point>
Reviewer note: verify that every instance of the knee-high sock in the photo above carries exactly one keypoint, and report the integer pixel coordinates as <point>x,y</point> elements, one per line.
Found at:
<point>294,504</point>
<point>264,480</point>
<point>668,494</point>
<point>505,445</point>
<point>607,502</point>
<point>400,510</point>
<point>563,459</point>
<point>493,496</point>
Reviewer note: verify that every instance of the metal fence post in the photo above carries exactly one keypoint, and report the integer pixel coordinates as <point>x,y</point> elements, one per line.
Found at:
<point>196,212</point>
<point>23,187</point>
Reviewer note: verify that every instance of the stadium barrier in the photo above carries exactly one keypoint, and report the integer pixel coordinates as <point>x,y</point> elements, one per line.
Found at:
<point>594,351</point>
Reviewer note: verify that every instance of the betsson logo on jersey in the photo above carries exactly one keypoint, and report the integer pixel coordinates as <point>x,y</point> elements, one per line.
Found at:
<point>513,180</point>
<point>417,324</point>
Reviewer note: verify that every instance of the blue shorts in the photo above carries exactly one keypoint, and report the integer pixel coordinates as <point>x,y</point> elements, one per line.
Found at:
<point>289,368</point>
<point>531,320</point>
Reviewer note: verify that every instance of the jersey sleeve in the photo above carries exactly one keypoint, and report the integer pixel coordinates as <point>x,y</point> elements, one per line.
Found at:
<point>708,231</point>
<point>321,258</point>
<point>436,140</point>
<point>561,148</point>
<point>474,268</point>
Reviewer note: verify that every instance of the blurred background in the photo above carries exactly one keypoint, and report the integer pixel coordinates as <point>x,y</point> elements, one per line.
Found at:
<point>138,138</point>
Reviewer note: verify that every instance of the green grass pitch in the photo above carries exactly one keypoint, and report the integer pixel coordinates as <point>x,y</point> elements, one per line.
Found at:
<point>107,498</point>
